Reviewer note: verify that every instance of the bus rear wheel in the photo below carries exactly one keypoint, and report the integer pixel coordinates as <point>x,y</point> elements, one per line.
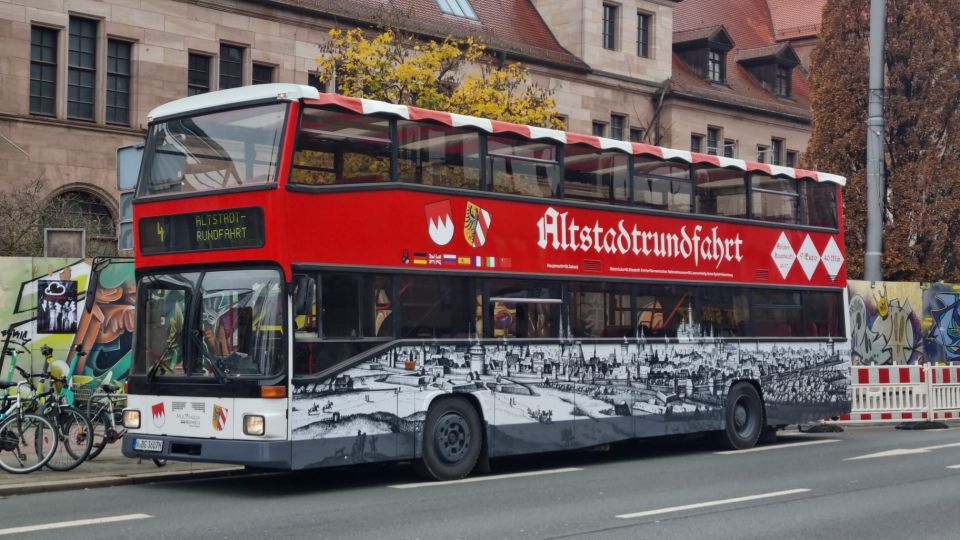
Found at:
<point>743,418</point>
<point>452,439</point>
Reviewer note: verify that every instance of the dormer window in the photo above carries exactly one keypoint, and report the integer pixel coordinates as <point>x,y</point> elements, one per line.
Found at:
<point>704,50</point>
<point>771,66</point>
<point>782,85</point>
<point>715,66</point>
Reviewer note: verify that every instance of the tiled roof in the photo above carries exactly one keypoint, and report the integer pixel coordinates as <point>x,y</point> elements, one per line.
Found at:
<point>793,19</point>
<point>695,34</point>
<point>761,52</point>
<point>512,26</point>
<point>749,24</point>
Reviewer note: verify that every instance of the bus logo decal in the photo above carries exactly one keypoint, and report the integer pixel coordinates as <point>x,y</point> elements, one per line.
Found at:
<point>159,415</point>
<point>219,417</point>
<point>440,222</point>
<point>476,224</point>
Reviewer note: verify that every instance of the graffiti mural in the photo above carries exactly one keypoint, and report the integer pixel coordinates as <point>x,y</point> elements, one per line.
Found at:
<point>542,397</point>
<point>99,315</point>
<point>884,325</point>
<point>941,309</point>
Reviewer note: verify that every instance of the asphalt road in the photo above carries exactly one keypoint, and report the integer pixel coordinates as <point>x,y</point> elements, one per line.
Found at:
<point>864,483</point>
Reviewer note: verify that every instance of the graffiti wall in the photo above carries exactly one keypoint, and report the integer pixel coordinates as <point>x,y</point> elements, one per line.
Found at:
<point>941,310</point>
<point>66,304</point>
<point>885,322</point>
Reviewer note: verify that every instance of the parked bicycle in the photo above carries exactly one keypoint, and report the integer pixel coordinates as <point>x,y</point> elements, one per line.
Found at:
<point>105,409</point>
<point>27,441</point>
<point>74,430</point>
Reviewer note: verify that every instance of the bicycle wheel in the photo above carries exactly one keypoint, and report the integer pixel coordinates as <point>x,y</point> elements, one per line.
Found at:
<point>27,442</point>
<point>100,427</point>
<point>75,435</point>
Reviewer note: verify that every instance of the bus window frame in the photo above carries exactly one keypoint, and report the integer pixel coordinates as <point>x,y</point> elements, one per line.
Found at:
<point>280,174</point>
<point>486,185</point>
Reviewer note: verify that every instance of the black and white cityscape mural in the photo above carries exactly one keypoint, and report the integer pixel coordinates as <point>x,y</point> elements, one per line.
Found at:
<point>553,396</point>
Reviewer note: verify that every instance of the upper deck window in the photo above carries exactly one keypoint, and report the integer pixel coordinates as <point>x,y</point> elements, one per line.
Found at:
<point>339,147</point>
<point>591,175</point>
<point>214,151</point>
<point>819,204</point>
<point>664,185</point>
<point>437,155</point>
<point>721,192</point>
<point>774,199</point>
<point>523,167</point>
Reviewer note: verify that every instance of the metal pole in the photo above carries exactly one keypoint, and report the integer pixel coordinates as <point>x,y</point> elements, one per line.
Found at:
<point>876,190</point>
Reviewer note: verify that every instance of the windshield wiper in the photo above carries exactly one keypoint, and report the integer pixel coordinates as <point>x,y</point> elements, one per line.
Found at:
<point>202,350</point>
<point>155,367</point>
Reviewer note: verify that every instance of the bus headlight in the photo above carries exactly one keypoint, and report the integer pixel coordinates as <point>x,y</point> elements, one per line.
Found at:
<point>254,424</point>
<point>131,418</point>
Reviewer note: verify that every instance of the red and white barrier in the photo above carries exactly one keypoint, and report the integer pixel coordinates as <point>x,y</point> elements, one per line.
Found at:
<point>904,393</point>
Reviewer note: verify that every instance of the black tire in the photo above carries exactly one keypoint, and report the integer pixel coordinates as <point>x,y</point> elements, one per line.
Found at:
<point>743,418</point>
<point>27,442</point>
<point>452,439</point>
<point>75,435</point>
<point>100,423</point>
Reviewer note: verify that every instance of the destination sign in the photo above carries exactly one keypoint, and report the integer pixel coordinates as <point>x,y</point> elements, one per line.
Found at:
<point>202,231</point>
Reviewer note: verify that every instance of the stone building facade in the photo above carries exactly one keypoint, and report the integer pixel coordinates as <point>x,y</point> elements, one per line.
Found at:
<point>78,77</point>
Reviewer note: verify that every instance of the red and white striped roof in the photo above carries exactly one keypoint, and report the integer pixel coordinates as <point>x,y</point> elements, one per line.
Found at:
<point>369,106</point>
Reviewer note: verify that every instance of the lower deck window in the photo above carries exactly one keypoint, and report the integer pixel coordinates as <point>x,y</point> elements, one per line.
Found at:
<point>356,312</point>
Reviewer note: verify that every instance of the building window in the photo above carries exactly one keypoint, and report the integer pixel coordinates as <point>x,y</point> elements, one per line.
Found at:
<point>713,141</point>
<point>43,70</point>
<point>762,152</point>
<point>231,66</point>
<point>791,160</point>
<point>118,82</point>
<point>610,26</point>
<point>262,74</point>
<point>776,152</point>
<point>82,72</point>
<point>643,35</point>
<point>314,81</point>
<point>616,126</point>
<point>729,148</point>
<point>198,81</point>
<point>782,86</point>
<point>696,143</point>
<point>636,135</point>
<point>457,8</point>
<point>599,129</point>
<point>715,66</point>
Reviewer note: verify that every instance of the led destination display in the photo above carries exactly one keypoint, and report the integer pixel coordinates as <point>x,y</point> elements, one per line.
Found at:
<point>202,231</point>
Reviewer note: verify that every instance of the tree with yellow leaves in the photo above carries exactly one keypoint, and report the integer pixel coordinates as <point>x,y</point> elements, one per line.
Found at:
<point>452,75</point>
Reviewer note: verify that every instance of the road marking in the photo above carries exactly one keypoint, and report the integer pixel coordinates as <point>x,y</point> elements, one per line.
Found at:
<point>777,446</point>
<point>953,466</point>
<point>712,503</point>
<point>77,523</point>
<point>904,451</point>
<point>485,478</point>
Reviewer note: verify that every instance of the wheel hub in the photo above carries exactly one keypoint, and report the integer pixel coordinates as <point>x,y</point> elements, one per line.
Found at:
<point>452,437</point>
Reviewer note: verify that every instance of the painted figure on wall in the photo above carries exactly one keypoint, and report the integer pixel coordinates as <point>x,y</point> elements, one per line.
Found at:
<point>884,328</point>
<point>941,305</point>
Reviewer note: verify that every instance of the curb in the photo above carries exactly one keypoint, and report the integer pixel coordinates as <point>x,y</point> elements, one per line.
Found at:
<point>115,480</point>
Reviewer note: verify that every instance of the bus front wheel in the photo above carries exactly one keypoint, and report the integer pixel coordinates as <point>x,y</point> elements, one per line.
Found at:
<point>743,418</point>
<point>452,438</point>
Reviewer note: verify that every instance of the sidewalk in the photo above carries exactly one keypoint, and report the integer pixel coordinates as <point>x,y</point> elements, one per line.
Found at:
<point>110,468</point>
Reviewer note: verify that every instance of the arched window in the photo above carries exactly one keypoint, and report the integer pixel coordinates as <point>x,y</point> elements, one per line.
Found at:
<point>83,210</point>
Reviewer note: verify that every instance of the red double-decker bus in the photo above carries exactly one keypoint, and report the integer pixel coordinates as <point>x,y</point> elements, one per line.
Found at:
<point>326,280</point>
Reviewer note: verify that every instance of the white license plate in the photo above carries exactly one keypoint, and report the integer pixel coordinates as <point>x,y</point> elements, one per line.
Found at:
<point>148,445</point>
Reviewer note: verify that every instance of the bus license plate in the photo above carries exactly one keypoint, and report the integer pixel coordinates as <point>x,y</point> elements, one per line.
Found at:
<point>148,445</point>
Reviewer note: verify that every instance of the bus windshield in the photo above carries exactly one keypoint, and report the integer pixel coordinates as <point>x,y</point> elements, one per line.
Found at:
<point>219,325</point>
<point>220,150</point>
